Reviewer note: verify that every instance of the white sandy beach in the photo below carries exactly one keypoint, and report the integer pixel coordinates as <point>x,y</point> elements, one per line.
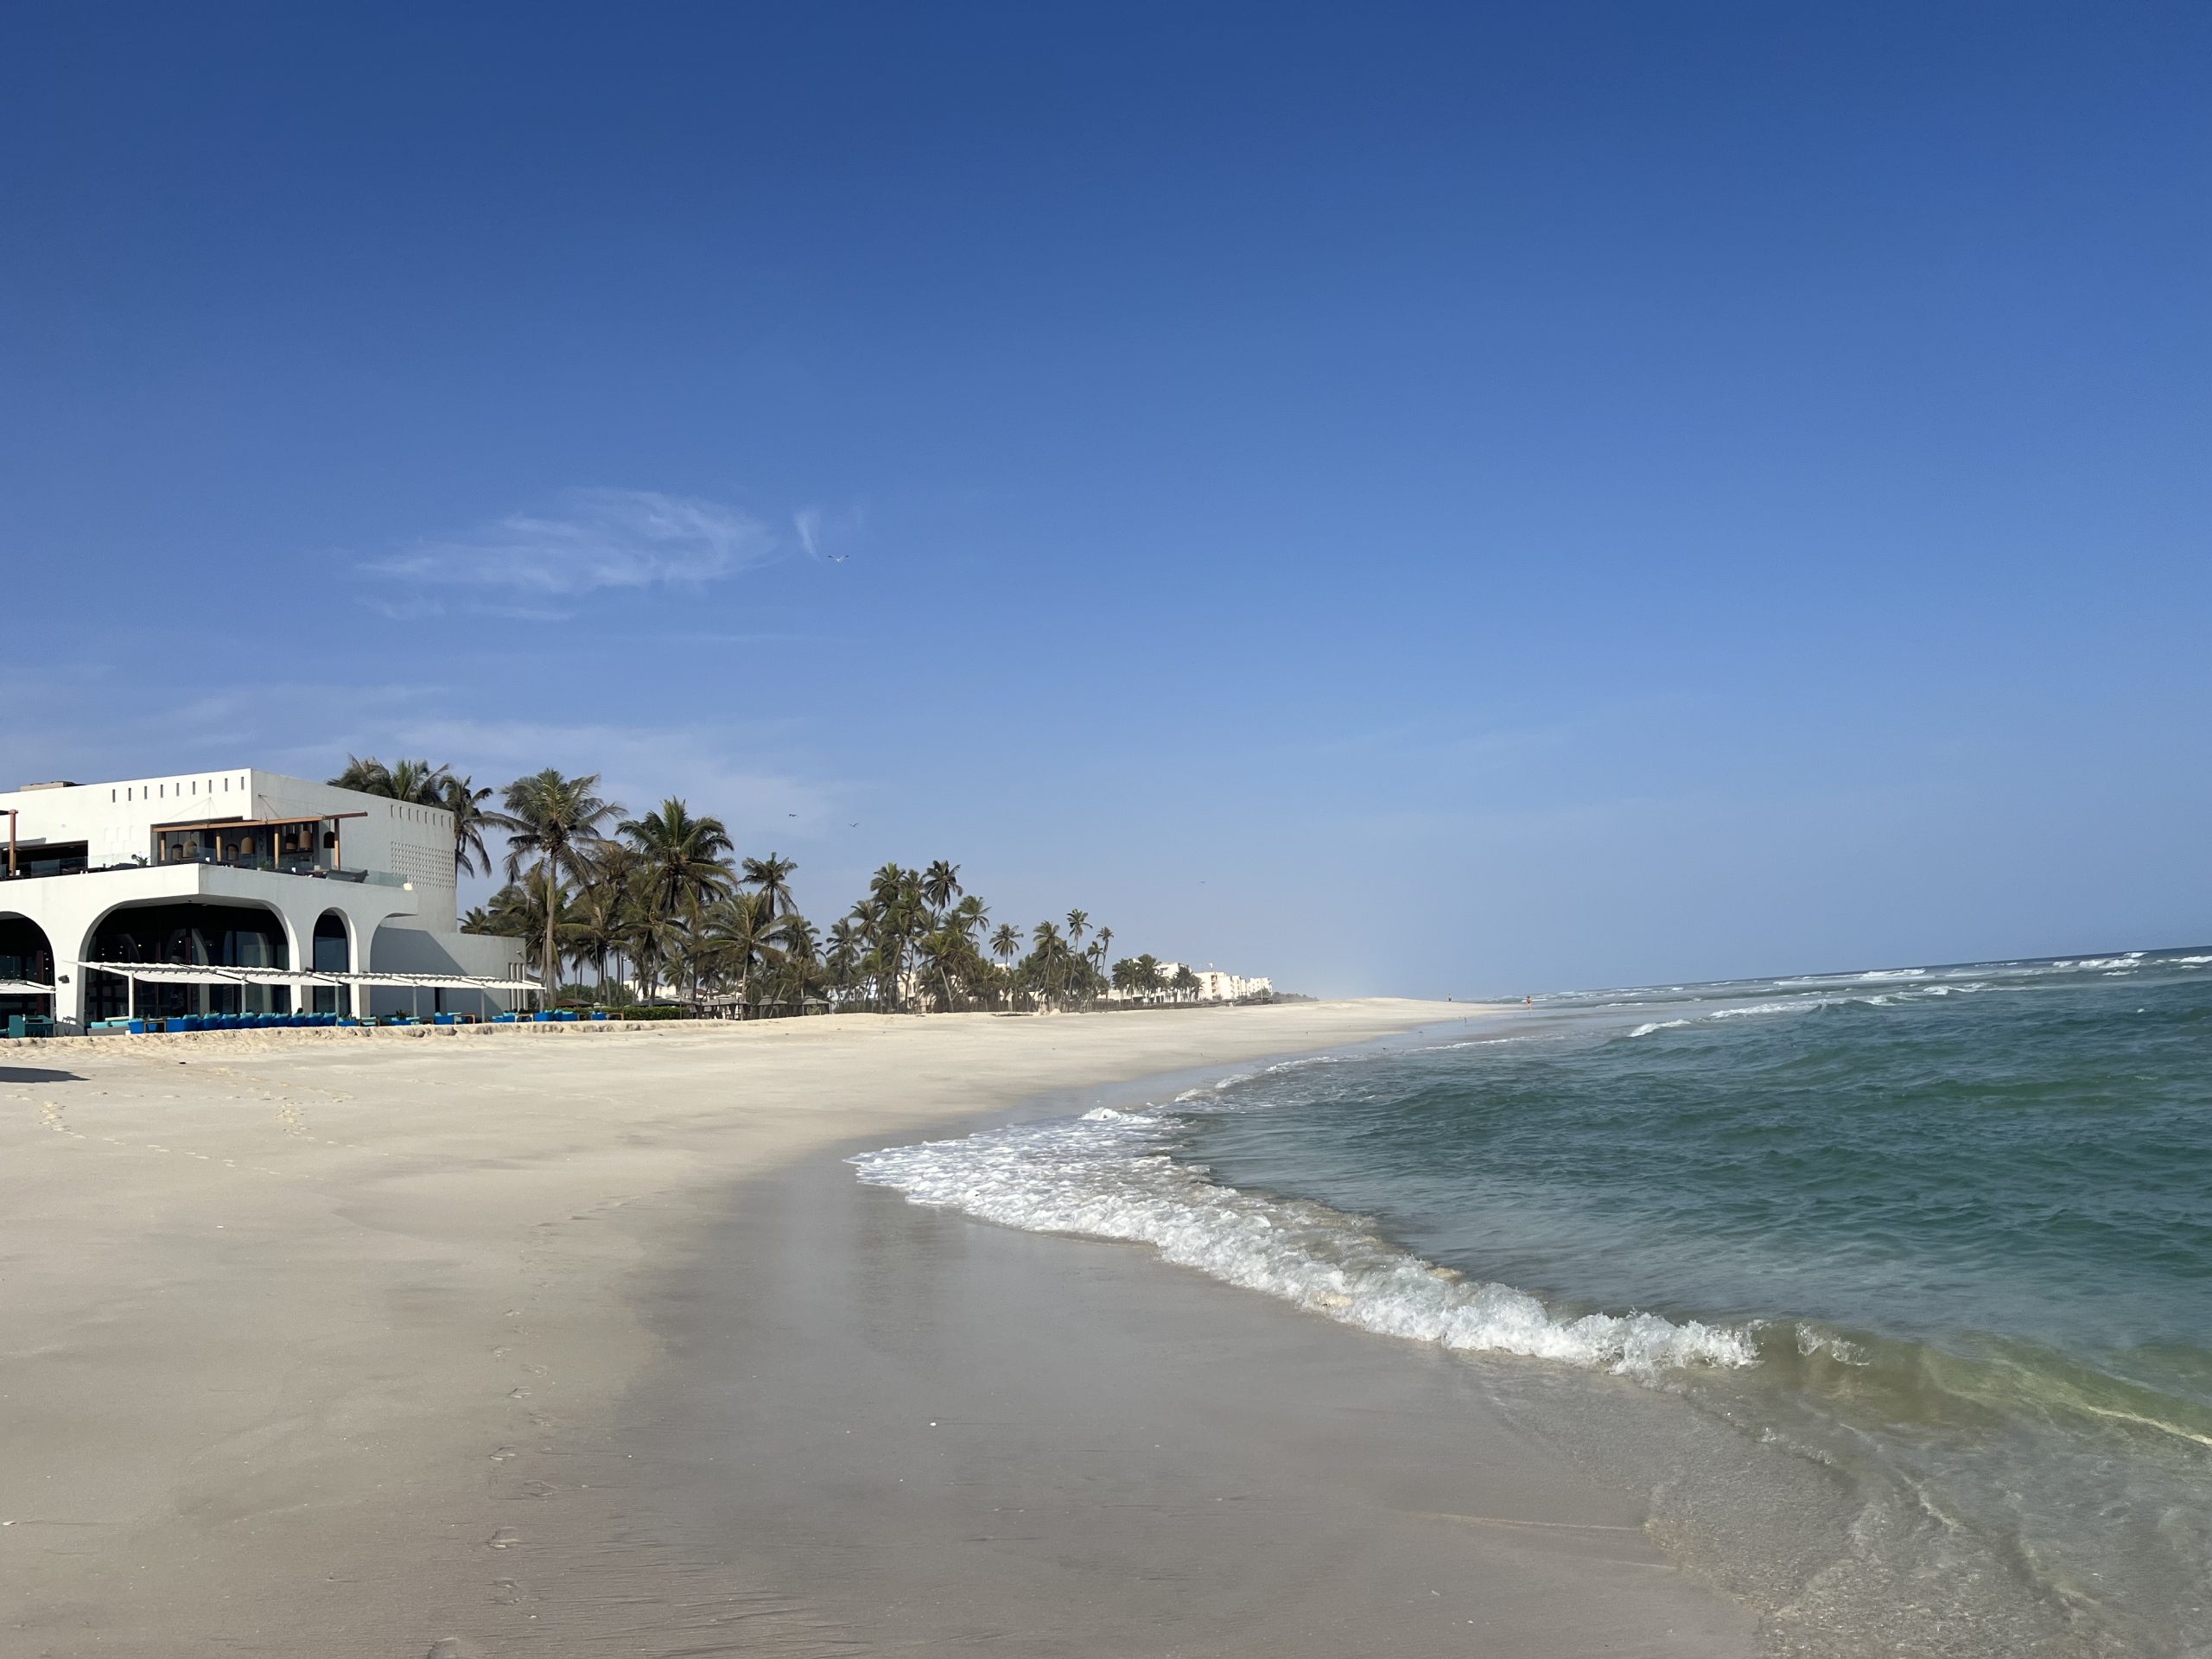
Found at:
<point>314,1343</point>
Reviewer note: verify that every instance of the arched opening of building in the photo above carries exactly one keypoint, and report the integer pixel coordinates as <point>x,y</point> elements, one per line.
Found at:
<point>26,957</point>
<point>333,955</point>
<point>191,933</point>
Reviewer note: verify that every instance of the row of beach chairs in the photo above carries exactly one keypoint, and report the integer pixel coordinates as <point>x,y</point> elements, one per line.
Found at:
<point>187,1022</point>
<point>266,1022</point>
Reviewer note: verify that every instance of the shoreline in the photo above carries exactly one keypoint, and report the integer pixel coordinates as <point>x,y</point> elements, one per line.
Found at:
<point>287,1320</point>
<point>893,1425</point>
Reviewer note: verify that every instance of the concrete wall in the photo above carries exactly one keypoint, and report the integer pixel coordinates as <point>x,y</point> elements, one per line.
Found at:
<point>402,919</point>
<point>398,948</point>
<point>70,908</point>
<point>115,821</point>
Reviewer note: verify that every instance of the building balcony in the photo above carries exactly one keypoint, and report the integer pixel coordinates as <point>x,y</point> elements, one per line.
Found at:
<point>263,865</point>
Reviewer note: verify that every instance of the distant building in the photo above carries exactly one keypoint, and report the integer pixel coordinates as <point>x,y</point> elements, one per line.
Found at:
<point>1214,986</point>
<point>237,891</point>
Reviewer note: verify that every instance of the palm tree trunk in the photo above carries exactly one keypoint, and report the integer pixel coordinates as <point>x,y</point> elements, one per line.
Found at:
<point>548,965</point>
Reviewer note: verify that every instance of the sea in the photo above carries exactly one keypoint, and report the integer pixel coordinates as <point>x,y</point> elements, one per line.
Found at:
<point>1891,1290</point>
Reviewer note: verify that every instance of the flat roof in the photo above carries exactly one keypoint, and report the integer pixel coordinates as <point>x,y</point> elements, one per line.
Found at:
<point>254,823</point>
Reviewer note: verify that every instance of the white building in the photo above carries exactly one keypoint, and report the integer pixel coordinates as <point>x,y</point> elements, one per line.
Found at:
<point>1214,986</point>
<point>234,891</point>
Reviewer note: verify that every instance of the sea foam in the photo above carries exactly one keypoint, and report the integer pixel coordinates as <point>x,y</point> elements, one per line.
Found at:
<point>1108,1174</point>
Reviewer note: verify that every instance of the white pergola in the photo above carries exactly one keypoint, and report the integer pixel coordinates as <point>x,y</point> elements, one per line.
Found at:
<point>298,979</point>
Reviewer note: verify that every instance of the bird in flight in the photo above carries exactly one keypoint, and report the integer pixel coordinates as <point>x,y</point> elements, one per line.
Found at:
<point>809,525</point>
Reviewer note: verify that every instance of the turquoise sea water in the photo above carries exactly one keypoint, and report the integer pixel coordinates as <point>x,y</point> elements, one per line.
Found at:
<point>1938,1241</point>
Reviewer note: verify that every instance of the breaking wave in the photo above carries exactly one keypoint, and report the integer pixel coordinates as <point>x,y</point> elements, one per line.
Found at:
<point>1808,1003</point>
<point>1109,1174</point>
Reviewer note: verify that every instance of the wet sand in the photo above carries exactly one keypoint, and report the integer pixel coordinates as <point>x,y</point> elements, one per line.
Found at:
<point>591,1345</point>
<point>932,1435</point>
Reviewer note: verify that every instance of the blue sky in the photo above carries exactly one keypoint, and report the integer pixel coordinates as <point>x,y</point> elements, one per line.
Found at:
<point>1433,500</point>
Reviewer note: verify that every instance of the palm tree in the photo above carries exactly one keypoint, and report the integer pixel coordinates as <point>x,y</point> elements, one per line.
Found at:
<point>683,861</point>
<point>518,911</point>
<point>513,913</point>
<point>847,950</point>
<point>460,797</point>
<point>1148,977</point>
<point>417,782</point>
<point>897,919</point>
<point>691,957</point>
<point>556,821</point>
<point>741,934</point>
<point>1048,950</point>
<point>799,969</point>
<point>941,885</point>
<point>370,777</point>
<point>771,878</point>
<point>950,955</point>
<point>601,925</point>
<point>1078,920</point>
<point>652,939</point>
<point>1006,945</point>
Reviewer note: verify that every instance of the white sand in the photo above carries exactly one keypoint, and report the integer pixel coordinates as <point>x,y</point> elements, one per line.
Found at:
<point>283,1317</point>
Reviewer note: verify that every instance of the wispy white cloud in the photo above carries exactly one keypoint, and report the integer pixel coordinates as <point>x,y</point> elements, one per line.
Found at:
<point>828,534</point>
<point>591,540</point>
